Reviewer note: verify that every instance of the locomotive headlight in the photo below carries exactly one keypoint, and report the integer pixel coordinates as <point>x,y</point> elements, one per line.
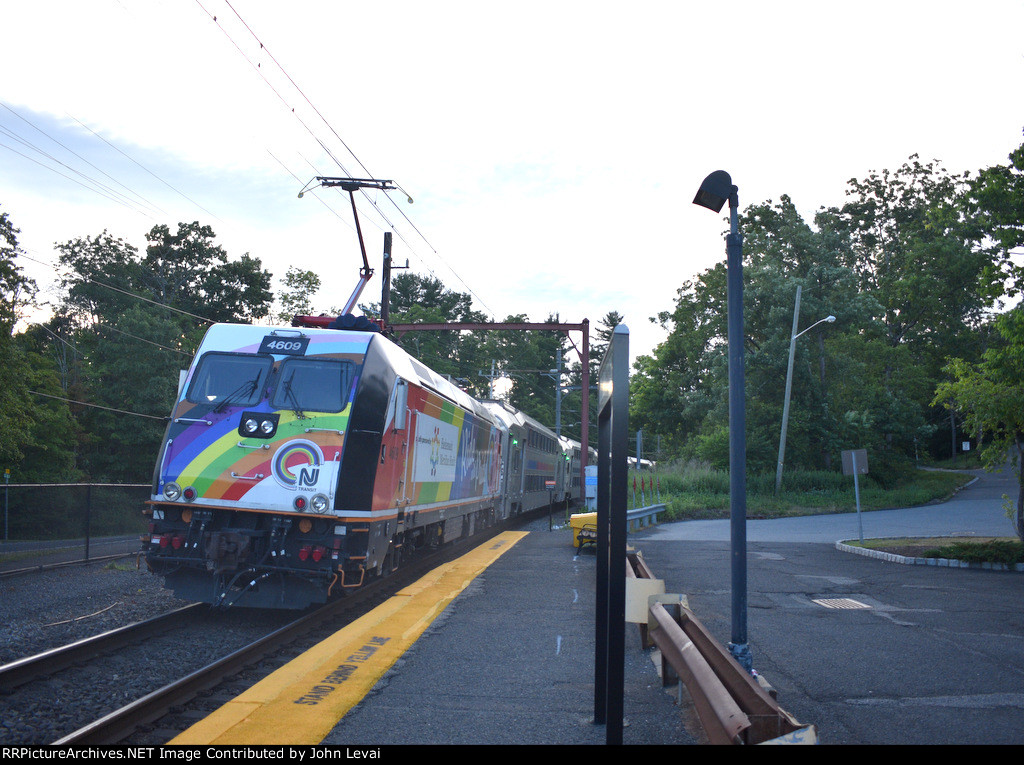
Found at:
<point>319,503</point>
<point>267,427</point>
<point>172,491</point>
<point>250,425</point>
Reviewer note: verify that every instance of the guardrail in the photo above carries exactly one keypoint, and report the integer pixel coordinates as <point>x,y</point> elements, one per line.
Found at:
<point>643,516</point>
<point>733,706</point>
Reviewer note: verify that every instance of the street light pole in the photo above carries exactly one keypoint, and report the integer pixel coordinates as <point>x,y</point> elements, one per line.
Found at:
<point>789,384</point>
<point>714,192</point>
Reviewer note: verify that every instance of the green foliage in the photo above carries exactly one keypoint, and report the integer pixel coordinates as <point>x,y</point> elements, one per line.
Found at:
<point>988,395</point>
<point>904,266</point>
<point>522,358</point>
<point>296,298</point>
<point>16,290</point>
<point>104,369</point>
<point>695,490</point>
<point>1005,552</point>
<point>18,416</point>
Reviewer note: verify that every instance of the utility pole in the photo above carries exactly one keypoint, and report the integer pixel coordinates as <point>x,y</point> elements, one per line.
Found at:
<point>385,295</point>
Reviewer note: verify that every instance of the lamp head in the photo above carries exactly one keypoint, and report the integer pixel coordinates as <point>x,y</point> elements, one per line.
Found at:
<point>715,191</point>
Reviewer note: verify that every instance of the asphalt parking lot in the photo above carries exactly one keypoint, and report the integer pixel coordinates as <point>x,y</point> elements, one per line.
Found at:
<point>907,654</point>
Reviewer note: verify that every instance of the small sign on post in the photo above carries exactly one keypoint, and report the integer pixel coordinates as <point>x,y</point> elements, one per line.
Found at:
<point>855,463</point>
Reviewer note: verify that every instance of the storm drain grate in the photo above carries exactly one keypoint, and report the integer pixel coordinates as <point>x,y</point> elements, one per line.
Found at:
<point>839,603</point>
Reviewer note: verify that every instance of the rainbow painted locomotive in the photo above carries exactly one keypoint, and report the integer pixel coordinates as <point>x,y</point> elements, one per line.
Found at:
<point>298,463</point>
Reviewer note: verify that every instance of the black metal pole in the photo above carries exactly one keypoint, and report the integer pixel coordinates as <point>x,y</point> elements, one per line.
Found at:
<point>601,575</point>
<point>737,439</point>
<point>612,476</point>
<point>385,296</point>
<point>617,534</point>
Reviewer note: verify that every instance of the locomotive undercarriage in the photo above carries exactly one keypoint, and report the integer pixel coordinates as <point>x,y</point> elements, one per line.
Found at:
<point>263,560</point>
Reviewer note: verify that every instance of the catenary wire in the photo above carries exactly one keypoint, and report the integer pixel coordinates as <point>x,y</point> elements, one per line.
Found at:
<point>143,167</point>
<point>376,207</point>
<point>71,151</point>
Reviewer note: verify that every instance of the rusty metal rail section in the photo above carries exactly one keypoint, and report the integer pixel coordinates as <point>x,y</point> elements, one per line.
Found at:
<point>733,706</point>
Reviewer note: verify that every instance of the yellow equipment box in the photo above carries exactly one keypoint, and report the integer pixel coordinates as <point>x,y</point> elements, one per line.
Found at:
<point>584,529</point>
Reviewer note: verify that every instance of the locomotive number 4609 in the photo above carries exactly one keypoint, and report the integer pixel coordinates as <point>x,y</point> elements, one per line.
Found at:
<point>294,346</point>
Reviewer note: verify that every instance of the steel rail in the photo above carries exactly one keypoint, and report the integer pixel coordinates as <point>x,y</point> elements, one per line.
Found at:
<point>40,567</point>
<point>121,723</point>
<point>116,726</point>
<point>24,670</point>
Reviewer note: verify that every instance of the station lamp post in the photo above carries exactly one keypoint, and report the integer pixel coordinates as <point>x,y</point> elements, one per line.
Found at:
<point>789,384</point>
<point>714,192</point>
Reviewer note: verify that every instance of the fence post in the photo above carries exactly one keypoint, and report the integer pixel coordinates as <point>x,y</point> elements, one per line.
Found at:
<point>88,517</point>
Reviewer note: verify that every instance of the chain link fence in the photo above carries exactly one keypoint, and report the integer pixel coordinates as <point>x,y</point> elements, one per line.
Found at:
<point>73,511</point>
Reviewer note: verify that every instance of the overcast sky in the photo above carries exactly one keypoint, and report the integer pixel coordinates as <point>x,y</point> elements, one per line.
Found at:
<point>552,149</point>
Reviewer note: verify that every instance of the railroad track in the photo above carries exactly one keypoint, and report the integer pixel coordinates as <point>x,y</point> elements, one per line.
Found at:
<point>25,670</point>
<point>122,724</point>
<point>39,567</point>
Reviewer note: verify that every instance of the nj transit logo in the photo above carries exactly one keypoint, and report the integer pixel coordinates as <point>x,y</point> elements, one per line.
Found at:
<point>298,465</point>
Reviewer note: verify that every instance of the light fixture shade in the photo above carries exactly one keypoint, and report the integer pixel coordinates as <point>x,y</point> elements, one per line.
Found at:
<point>715,190</point>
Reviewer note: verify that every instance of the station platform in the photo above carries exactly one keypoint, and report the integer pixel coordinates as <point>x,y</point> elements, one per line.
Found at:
<point>494,648</point>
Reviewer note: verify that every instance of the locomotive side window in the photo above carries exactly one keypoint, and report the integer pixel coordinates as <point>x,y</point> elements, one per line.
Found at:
<point>230,378</point>
<point>314,385</point>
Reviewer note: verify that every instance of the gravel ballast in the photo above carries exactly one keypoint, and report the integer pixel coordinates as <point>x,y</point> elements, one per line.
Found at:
<point>44,610</point>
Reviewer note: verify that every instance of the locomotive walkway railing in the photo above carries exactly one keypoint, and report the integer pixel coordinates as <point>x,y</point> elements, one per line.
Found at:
<point>733,706</point>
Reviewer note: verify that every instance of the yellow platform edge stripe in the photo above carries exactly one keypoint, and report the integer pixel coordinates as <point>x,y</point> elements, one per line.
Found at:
<point>301,702</point>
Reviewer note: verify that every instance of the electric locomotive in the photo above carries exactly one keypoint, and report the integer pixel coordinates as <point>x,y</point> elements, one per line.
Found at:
<point>298,462</point>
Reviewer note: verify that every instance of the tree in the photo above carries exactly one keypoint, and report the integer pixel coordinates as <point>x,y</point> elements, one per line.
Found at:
<point>17,405</point>
<point>418,299</point>
<point>188,271</point>
<point>913,251</point>
<point>527,359</point>
<point>100,278</point>
<point>47,445</point>
<point>988,395</point>
<point>16,290</point>
<point>994,203</point>
<point>134,321</point>
<point>673,391</point>
<point>296,297</point>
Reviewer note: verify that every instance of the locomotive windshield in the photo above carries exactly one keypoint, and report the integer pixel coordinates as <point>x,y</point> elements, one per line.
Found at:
<point>230,378</point>
<point>315,385</point>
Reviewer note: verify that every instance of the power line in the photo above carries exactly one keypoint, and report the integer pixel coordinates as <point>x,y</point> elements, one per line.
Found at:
<point>341,165</point>
<point>144,340</point>
<point>62,175</point>
<point>38,129</point>
<point>97,406</point>
<point>143,167</point>
<point>125,292</point>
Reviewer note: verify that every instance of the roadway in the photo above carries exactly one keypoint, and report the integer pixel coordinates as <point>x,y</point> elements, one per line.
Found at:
<point>915,655</point>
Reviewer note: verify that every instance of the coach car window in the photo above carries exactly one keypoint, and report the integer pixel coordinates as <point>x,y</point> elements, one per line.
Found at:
<point>234,379</point>
<point>313,385</point>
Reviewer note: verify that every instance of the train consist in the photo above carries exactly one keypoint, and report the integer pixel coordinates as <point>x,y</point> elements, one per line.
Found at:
<point>301,462</point>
